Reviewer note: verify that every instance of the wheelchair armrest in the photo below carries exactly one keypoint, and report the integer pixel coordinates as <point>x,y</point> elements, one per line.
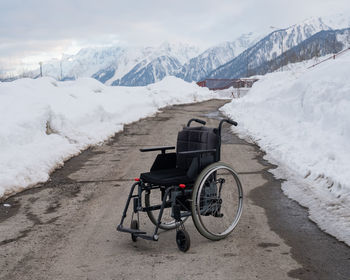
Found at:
<point>163,149</point>
<point>197,152</point>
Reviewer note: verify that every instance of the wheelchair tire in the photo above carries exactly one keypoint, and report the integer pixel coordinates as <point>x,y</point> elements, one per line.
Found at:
<point>134,225</point>
<point>164,225</point>
<point>183,240</point>
<point>217,201</point>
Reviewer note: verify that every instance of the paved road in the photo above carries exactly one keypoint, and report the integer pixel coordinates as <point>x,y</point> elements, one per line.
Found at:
<point>65,228</point>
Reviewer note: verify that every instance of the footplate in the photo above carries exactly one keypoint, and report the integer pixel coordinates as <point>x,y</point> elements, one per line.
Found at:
<point>130,230</point>
<point>138,233</point>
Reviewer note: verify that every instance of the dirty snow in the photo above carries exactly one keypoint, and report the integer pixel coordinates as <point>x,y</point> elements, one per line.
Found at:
<point>44,122</point>
<point>301,118</point>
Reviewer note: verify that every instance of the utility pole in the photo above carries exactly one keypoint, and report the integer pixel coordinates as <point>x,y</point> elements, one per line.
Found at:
<point>41,68</point>
<point>247,65</point>
<point>61,70</point>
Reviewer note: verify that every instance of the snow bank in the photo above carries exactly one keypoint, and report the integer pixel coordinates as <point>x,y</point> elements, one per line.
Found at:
<point>44,122</point>
<point>302,120</point>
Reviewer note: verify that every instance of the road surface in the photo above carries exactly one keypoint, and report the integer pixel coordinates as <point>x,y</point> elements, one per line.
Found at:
<point>65,228</point>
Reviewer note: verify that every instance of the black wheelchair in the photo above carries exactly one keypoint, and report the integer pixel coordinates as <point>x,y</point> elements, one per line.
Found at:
<point>191,182</point>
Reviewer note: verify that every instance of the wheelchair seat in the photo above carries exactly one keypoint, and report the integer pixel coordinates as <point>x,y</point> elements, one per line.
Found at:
<point>166,177</point>
<point>171,169</point>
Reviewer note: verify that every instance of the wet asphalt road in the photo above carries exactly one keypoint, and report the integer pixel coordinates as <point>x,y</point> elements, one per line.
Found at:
<point>65,228</point>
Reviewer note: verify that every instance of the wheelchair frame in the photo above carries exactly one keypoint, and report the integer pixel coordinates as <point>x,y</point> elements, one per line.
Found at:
<point>180,197</point>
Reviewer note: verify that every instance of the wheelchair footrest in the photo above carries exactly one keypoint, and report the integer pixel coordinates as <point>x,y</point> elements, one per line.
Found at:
<point>147,237</point>
<point>130,230</point>
<point>138,233</point>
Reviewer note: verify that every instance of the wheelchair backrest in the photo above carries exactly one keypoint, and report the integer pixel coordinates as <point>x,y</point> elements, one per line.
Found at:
<point>196,138</point>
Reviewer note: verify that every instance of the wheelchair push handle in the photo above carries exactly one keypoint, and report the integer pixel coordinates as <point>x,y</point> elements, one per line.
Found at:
<point>195,120</point>
<point>231,122</point>
<point>228,121</point>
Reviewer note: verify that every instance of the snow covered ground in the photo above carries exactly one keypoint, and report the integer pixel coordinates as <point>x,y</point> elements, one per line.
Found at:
<point>44,122</point>
<point>301,118</point>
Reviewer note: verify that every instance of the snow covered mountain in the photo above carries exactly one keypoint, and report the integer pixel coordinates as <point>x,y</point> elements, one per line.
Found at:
<point>84,64</point>
<point>147,65</point>
<point>123,64</point>
<point>113,63</point>
<point>271,46</point>
<point>138,66</point>
<point>200,66</point>
<point>141,66</point>
<point>148,72</point>
<point>321,44</point>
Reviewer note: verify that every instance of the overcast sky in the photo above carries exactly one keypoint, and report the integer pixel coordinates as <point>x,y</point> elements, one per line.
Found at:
<point>39,29</point>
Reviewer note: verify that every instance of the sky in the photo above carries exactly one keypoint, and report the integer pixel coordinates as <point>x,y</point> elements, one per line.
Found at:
<point>33,30</point>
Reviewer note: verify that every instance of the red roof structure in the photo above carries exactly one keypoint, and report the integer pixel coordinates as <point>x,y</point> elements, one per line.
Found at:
<point>217,84</point>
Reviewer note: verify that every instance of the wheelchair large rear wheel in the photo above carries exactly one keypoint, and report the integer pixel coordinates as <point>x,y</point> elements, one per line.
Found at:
<point>217,201</point>
<point>167,222</point>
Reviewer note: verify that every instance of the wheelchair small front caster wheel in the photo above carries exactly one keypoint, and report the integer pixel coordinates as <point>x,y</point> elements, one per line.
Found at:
<point>183,240</point>
<point>134,225</point>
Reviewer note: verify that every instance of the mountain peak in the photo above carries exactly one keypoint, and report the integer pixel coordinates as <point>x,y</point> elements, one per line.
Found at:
<point>182,51</point>
<point>337,21</point>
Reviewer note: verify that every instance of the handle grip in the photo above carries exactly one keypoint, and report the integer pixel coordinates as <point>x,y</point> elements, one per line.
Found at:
<point>232,122</point>
<point>196,120</point>
<point>228,121</point>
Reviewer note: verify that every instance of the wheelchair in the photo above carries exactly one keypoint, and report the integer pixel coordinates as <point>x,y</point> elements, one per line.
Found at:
<point>189,182</point>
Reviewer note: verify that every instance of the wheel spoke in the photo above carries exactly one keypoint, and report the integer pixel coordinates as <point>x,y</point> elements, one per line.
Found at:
<point>217,201</point>
<point>167,222</point>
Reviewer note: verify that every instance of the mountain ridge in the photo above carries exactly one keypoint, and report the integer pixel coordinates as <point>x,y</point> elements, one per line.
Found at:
<point>138,66</point>
<point>268,48</point>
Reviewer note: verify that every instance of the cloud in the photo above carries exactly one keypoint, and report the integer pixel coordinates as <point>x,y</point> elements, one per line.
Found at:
<point>35,27</point>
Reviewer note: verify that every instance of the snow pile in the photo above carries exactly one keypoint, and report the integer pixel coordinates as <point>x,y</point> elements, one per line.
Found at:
<point>302,121</point>
<point>44,122</point>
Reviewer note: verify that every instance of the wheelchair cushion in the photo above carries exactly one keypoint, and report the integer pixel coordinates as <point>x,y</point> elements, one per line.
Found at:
<point>166,177</point>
